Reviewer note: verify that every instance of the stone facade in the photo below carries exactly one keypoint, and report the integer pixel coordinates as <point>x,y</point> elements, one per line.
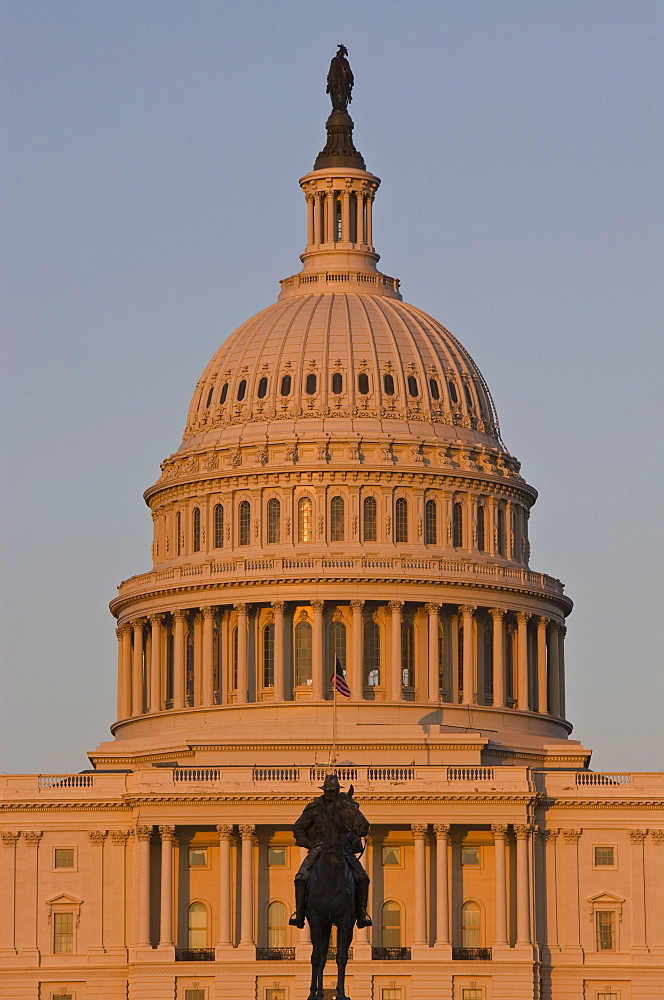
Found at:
<point>341,490</point>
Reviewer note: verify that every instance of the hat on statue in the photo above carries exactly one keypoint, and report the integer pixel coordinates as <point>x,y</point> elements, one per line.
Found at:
<point>331,783</point>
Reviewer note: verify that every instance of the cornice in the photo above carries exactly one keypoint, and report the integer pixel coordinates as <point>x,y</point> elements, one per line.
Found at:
<point>627,803</point>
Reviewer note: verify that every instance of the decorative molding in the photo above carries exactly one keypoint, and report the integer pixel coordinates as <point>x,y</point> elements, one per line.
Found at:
<point>420,830</point>
<point>442,830</point>
<point>9,839</point>
<point>247,831</point>
<point>143,832</point>
<point>637,836</point>
<point>499,831</point>
<point>167,833</point>
<point>225,832</point>
<point>33,837</point>
<point>97,837</point>
<point>657,836</point>
<point>572,836</point>
<point>522,831</point>
<point>120,837</point>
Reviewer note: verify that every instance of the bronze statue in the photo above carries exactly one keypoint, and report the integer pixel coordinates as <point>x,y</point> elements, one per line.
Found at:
<point>331,886</point>
<point>340,80</point>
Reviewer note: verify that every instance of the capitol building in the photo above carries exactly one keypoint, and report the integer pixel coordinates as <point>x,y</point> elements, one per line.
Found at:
<point>341,492</point>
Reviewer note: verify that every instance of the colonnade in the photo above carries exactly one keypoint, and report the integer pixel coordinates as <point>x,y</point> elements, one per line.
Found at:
<point>340,216</point>
<point>209,655</point>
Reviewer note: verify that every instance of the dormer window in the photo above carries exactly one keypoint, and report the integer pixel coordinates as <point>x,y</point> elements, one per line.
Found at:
<point>224,393</point>
<point>262,388</point>
<point>388,384</point>
<point>454,395</point>
<point>433,386</point>
<point>337,383</point>
<point>241,389</point>
<point>286,385</point>
<point>209,397</point>
<point>311,384</point>
<point>363,383</point>
<point>413,388</point>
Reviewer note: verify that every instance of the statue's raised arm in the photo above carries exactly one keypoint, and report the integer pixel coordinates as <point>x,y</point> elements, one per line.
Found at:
<point>340,80</point>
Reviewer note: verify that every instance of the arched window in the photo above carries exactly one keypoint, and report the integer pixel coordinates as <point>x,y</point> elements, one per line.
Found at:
<point>337,383</point>
<point>401,520</point>
<point>488,667</point>
<point>369,521</point>
<point>407,659</point>
<point>500,530</point>
<point>430,523</point>
<point>245,523</point>
<point>337,646</point>
<point>218,526</point>
<point>363,383</point>
<point>433,386</point>
<point>441,662</point>
<point>196,529</point>
<point>305,517</point>
<point>277,924</point>
<point>242,388</point>
<point>413,388</point>
<point>190,666</point>
<point>311,384</point>
<point>223,394</point>
<point>471,925</point>
<point>178,532</point>
<point>198,925</point>
<point>454,395</point>
<point>460,659</point>
<point>209,396</point>
<point>469,399</point>
<point>286,385</point>
<point>508,639</point>
<point>273,521</point>
<point>371,653</point>
<point>303,640</point>
<point>388,384</point>
<point>337,519</point>
<point>390,924</point>
<point>481,528</point>
<point>457,526</point>
<point>234,678</point>
<point>262,388</point>
<point>268,655</point>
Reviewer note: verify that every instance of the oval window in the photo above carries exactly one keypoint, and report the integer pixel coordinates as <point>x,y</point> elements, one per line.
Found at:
<point>454,396</point>
<point>242,388</point>
<point>388,385</point>
<point>363,383</point>
<point>311,384</point>
<point>224,392</point>
<point>262,388</point>
<point>412,386</point>
<point>469,398</point>
<point>209,399</point>
<point>285,385</point>
<point>337,383</point>
<point>435,391</point>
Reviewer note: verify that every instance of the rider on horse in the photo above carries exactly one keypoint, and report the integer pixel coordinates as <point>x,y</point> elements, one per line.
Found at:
<point>309,830</point>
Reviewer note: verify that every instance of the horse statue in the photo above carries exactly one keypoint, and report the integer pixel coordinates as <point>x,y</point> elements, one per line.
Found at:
<point>329,888</point>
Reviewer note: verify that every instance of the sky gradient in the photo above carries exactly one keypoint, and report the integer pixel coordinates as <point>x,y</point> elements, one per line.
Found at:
<point>151,155</point>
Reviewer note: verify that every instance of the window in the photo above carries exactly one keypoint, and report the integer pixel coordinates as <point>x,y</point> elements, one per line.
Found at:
<point>198,929</point>
<point>262,388</point>
<point>430,523</point>
<point>469,398</point>
<point>471,857</point>
<point>276,993</point>
<point>605,857</point>
<point>303,638</point>
<point>460,658</point>
<point>481,529</point>
<point>245,523</point>
<point>471,936</point>
<point>194,994</point>
<point>273,521</point>
<point>605,930</point>
<point>457,526</point>
<point>241,389</point>
<point>391,857</point>
<point>198,857</point>
<point>337,645</point>
<point>178,532</point>
<point>401,520</point>
<point>268,656</point>
<point>413,389</point>
<point>388,384</point>
<point>304,520</point>
<point>62,996</point>
<point>433,386</point>
<point>500,522</point>
<point>337,383</point>
<point>363,383</point>
<point>196,529</point>
<point>610,995</point>
<point>407,661</point>
<point>472,993</point>
<point>277,857</point>
<point>391,924</point>
<point>337,519</point>
<point>454,396</point>
<point>286,385</point>
<point>63,933</point>
<point>488,667</point>
<point>369,525</point>
<point>311,384</point>
<point>218,526</point>
<point>391,993</point>
<point>209,397</point>
<point>276,925</point>
<point>64,857</point>
<point>371,653</point>
<point>223,394</point>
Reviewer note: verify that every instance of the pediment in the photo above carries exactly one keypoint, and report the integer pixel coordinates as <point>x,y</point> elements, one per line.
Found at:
<point>62,899</point>
<point>605,897</point>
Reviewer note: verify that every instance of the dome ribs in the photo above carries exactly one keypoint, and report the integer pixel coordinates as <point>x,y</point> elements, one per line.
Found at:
<point>373,349</point>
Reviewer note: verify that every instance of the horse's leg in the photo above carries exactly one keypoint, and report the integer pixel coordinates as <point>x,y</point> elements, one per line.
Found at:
<point>344,937</point>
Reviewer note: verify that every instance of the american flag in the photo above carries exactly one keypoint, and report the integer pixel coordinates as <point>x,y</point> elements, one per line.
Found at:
<point>338,678</point>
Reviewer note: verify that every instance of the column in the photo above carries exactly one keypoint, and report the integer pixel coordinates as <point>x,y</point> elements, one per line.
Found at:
<point>562,632</point>
<point>442,831</point>
<point>359,225</point>
<point>467,612</point>
<point>370,198</point>
<point>570,917</point>
<point>396,608</point>
<point>317,668</point>
<point>522,660</point>
<point>115,918</point>
<point>225,886</point>
<point>97,838</point>
<point>310,218</point>
<point>226,658</point>
<point>123,633</point>
<point>522,833</point>
<point>542,699</point>
<point>303,943</point>
<point>434,666</point>
<point>355,674</point>
<point>318,217</point>
<point>345,216</point>
<point>143,836</point>
<point>639,937</point>
<point>362,935</point>
<point>27,882</point>
<point>500,869</point>
<point>329,217</point>
<point>420,929</point>
<point>657,874</point>
<point>167,834</point>
<point>247,889</point>
<point>552,888</point>
<point>241,693</point>
<point>179,658</point>
<point>498,657</point>
<point>554,669</point>
<point>279,674</point>
<point>137,668</point>
<point>155,663</point>
<point>8,893</point>
<point>207,687</point>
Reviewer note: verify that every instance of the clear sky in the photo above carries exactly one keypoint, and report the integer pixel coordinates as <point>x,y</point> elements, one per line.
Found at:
<point>151,156</point>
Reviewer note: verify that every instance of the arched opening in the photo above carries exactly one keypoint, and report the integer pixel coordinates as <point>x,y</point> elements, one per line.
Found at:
<point>431,523</point>
<point>407,656</point>
<point>363,383</point>
<point>178,533</point>
<point>268,655</point>
<point>337,519</point>
<point>286,385</point>
<point>481,528</point>
<point>433,386</point>
<point>388,384</point>
<point>244,534</point>
<point>337,647</point>
<point>401,520</point>
<point>304,520</point>
<point>241,389</point>
<point>196,529</point>
<point>390,924</point>
<point>273,521</point>
<point>223,394</point>
<point>488,667</point>
<point>218,526</point>
<point>337,383</point>
<point>311,384</point>
<point>471,925</point>
<point>500,530</point>
<point>262,388</point>
<point>371,639</point>
<point>457,526</point>
<point>369,519</point>
<point>303,646</point>
<point>197,926</point>
<point>277,924</point>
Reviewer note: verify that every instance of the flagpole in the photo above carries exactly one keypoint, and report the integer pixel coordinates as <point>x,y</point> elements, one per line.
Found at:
<point>334,716</point>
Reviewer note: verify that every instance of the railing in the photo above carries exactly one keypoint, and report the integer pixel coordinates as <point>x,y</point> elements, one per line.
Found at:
<point>390,954</point>
<point>194,954</point>
<point>275,954</point>
<point>603,778</point>
<point>390,774</point>
<point>471,954</point>
<point>65,780</point>
<point>343,773</point>
<point>276,774</point>
<point>332,954</point>
<point>470,774</point>
<point>197,774</point>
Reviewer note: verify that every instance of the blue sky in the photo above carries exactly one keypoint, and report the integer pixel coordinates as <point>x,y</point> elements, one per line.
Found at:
<point>151,156</point>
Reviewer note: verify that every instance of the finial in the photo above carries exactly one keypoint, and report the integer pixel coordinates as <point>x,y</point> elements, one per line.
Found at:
<point>339,149</point>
